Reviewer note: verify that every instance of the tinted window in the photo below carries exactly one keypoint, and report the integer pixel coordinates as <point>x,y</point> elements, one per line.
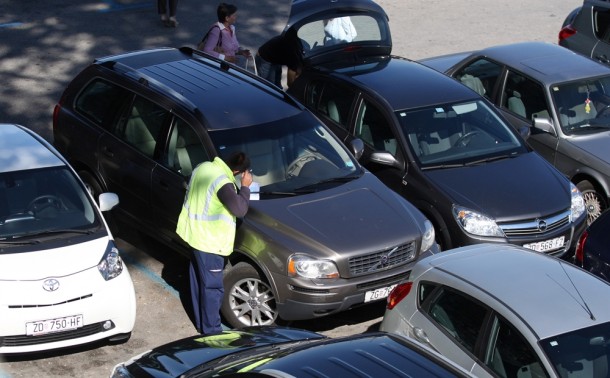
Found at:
<point>141,125</point>
<point>331,32</point>
<point>330,100</point>
<point>460,316</point>
<point>524,97</point>
<point>458,133</point>
<point>581,353</point>
<point>374,129</point>
<point>185,149</point>
<point>508,354</point>
<point>99,100</point>
<point>285,159</point>
<point>481,76</point>
<point>43,200</point>
<point>601,19</point>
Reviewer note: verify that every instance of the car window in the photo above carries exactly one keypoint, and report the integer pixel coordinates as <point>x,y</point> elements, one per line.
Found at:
<point>508,354</point>
<point>480,75</point>
<point>583,105</point>
<point>583,352</point>
<point>185,149</point>
<point>100,100</point>
<point>601,21</point>
<point>458,133</point>
<point>43,200</point>
<point>317,35</point>
<point>524,97</point>
<point>141,125</point>
<point>461,316</point>
<point>331,101</point>
<point>374,129</point>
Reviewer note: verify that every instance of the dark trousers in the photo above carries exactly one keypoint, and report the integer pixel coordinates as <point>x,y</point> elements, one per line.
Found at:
<point>207,290</point>
<point>162,7</point>
<point>269,71</point>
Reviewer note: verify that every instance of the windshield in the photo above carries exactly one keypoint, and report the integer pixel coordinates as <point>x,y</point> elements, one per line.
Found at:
<point>290,154</point>
<point>583,106</point>
<point>43,201</point>
<point>581,353</point>
<point>458,134</point>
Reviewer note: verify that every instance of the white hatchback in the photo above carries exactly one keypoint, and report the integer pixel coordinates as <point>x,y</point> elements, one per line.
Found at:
<point>504,311</point>
<point>62,281</point>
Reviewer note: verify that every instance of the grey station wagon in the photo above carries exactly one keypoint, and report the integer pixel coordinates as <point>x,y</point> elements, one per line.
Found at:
<point>322,235</point>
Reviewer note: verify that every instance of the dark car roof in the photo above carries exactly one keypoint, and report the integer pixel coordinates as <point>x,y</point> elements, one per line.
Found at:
<point>547,62</point>
<point>226,95</point>
<point>406,84</point>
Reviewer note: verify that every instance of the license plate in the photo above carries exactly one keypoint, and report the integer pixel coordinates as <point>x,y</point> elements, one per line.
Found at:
<point>376,294</point>
<point>547,245</point>
<point>53,325</point>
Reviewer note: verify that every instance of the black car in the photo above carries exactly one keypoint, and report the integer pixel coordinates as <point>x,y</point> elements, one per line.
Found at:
<point>322,234</point>
<point>593,249</point>
<point>586,30</point>
<point>287,352</point>
<point>433,140</point>
<point>563,97</point>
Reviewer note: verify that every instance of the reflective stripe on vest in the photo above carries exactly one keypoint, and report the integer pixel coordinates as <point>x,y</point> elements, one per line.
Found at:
<point>204,216</point>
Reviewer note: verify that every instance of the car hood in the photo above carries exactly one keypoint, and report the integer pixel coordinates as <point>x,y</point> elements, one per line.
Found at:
<point>176,358</point>
<point>358,216</point>
<point>503,189</point>
<point>44,263</point>
<point>593,145</point>
<point>373,38</point>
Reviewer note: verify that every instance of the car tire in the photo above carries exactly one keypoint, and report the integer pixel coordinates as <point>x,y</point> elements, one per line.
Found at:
<point>248,300</point>
<point>594,201</point>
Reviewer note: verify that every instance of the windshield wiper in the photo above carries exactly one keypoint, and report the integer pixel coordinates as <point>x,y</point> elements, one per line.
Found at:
<point>443,166</point>
<point>310,187</point>
<point>490,159</point>
<point>19,242</point>
<point>65,231</point>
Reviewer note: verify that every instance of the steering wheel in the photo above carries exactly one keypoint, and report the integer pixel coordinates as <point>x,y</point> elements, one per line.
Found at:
<point>45,201</point>
<point>465,139</point>
<point>298,163</point>
<point>603,112</point>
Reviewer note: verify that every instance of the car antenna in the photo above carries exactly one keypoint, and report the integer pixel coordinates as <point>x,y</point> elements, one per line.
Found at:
<point>584,303</point>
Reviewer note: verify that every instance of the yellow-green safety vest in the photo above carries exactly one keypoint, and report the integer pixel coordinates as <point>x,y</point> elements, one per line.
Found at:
<point>204,222</point>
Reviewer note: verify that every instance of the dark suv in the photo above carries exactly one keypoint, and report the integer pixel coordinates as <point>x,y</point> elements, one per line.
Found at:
<point>322,235</point>
<point>586,30</point>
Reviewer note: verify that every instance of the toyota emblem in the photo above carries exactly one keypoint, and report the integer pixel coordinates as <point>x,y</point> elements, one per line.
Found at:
<point>51,284</point>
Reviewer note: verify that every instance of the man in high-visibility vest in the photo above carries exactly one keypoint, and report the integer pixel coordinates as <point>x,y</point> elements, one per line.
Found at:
<point>207,223</point>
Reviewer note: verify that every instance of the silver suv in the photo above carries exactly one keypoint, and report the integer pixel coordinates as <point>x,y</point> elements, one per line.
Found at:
<point>324,235</point>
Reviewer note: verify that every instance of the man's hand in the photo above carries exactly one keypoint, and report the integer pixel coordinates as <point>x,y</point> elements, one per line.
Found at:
<point>246,178</point>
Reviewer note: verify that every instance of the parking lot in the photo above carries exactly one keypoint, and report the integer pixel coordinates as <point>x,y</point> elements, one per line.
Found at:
<point>44,45</point>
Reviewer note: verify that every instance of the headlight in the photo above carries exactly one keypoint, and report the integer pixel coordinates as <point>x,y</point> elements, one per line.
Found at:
<point>309,267</point>
<point>578,203</point>
<point>475,223</point>
<point>111,265</point>
<point>427,240</point>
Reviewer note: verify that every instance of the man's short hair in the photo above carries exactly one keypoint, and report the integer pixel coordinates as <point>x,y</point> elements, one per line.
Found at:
<point>238,161</point>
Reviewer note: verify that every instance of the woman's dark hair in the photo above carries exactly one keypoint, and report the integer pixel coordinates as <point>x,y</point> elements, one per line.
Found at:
<point>238,161</point>
<point>225,10</point>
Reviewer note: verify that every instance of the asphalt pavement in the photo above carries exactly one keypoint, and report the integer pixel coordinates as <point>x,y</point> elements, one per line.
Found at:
<point>43,44</point>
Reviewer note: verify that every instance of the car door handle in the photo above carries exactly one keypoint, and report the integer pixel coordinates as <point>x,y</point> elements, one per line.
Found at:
<point>602,58</point>
<point>420,335</point>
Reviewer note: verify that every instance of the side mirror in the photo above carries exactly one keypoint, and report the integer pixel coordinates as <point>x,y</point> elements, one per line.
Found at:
<point>108,201</point>
<point>384,158</point>
<point>357,146</point>
<point>544,124</point>
<point>525,132</point>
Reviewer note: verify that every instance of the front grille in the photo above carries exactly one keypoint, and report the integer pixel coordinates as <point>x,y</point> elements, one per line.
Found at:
<point>24,340</point>
<point>384,282</point>
<point>536,227</point>
<point>50,304</point>
<point>382,260</point>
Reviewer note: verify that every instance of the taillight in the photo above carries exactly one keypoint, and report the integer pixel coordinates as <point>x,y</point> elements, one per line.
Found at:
<point>580,247</point>
<point>566,32</point>
<point>398,294</point>
<point>56,115</point>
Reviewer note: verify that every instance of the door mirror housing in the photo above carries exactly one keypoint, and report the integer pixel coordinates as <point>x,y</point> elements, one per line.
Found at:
<point>544,124</point>
<point>357,146</point>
